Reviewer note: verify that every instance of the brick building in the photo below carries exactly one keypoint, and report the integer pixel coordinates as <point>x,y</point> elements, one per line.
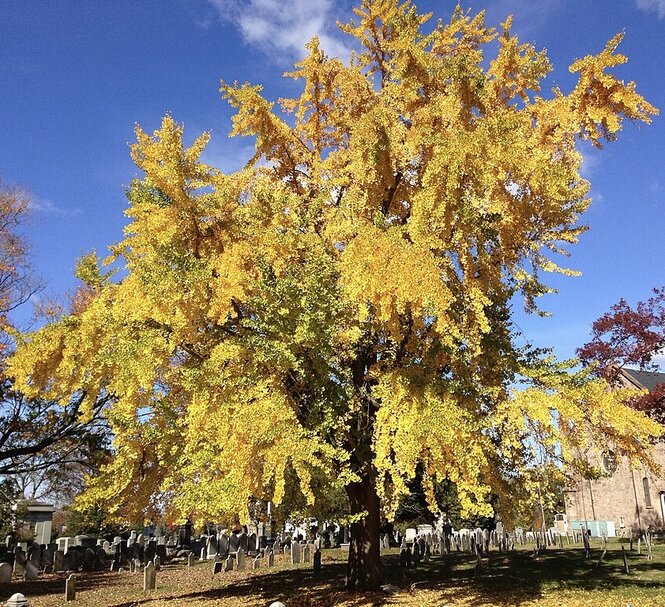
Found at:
<point>628,499</point>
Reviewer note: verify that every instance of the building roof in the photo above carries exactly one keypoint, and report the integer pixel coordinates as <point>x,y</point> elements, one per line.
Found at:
<point>644,379</point>
<point>33,506</point>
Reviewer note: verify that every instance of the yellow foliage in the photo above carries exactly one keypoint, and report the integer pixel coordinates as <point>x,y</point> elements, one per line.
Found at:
<point>338,312</point>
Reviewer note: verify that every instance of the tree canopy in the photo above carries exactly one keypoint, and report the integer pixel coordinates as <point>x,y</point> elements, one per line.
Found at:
<point>338,312</point>
<point>41,443</point>
<point>628,336</point>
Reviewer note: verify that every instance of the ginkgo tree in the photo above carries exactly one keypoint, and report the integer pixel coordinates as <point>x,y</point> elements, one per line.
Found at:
<point>338,313</point>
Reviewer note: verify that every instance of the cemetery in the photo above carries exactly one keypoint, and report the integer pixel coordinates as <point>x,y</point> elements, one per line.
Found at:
<point>423,566</point>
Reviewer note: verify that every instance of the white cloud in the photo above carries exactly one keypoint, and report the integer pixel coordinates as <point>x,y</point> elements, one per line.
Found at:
<point>226,154</point>
<point>590,163</point>
<point>281,28</point>
<point>529,17</point>
<point>652,5</point>
<point>659,359</point>
<point>48,207</point>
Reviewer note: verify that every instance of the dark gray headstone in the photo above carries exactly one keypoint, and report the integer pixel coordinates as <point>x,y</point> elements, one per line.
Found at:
<point>223,545</point>
<point>160,551</point>
<point>70,588</point>
<point>73,559</point>
<point>89,559</point>
<point>150,551</point>
<point>31,572</point>
<point>6,571</point>
<point>59,560</point>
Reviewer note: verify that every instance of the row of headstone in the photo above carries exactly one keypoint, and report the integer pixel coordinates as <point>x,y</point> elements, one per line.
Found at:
<point>223,544</point>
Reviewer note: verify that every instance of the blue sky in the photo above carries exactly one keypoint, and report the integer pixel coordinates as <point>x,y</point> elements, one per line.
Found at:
<point>76,76</point>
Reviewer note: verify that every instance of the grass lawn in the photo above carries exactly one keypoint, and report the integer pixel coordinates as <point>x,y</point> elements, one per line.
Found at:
<point>560,578</point>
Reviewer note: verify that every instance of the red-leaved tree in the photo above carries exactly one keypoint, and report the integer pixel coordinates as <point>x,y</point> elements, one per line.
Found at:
<point>633,337</point>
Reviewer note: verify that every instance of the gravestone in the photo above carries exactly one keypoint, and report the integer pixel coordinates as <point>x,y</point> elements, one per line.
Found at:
<point>17,600</point>
<point>70,588</point>
<point>137,565</point>
<point>150,550</point>
<point>88,559</point>
<point>217,567</point>
<point>20,561</point>
<point>241,559</point>
<point>149,577</point>
<point>416,552</point>
<point>306,554</point>
<point>234,543</point>
<point>295,553</point>
<point>256,562</point>
<point>402,554</point>
<point>63,543</point>
<point>59,560</point>
<point>160,551</point>
<point>228,563</point>
<point>223,545</point>
<point>286,549</point>
<point>252,545</point>
<point>211,547</point>
<point>35,555</point>
<point>31,572</point>
<point>6,571</point>
<point>271,558</point>
<point>132,566</point>
<point>157,561</point>
<point>195,546</point>
<point>317,560</point>
<point>190,559</point>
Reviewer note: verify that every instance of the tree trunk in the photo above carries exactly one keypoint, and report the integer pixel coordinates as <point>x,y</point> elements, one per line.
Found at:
<point>364,565</point>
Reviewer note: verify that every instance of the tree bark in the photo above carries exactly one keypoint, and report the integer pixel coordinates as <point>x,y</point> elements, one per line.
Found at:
<point>364,564</point>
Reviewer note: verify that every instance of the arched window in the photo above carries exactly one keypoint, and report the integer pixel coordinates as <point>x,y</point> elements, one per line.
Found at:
<point>647,493</point>
<point>610,462</point>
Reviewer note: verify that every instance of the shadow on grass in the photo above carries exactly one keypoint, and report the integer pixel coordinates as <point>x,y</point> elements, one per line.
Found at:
<point>506,579</point>
<point>55,584</point>
<point>301,587</point>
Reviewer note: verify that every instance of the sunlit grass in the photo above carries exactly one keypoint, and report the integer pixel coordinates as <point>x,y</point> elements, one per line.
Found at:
<point>559,578</point>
